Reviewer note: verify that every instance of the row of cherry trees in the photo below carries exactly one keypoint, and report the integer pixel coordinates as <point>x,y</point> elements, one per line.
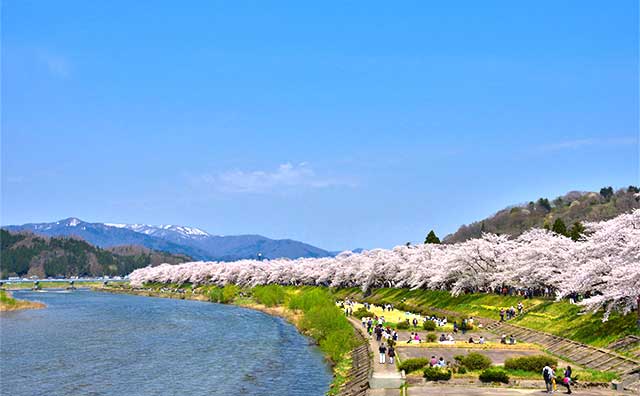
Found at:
<point>604,265</point>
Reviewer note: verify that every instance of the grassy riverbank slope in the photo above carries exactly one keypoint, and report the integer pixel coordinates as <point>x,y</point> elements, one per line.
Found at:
<point>560,318</point>
<point>8,303</point>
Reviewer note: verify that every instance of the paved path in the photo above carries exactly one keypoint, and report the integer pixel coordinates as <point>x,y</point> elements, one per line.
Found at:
<point>497,356</point>
<point>444,390</point>
<point>385,376</point>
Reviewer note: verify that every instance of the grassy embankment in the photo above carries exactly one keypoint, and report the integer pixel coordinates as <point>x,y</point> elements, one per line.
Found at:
<point>559,318</point>
<point>311,310</point>
<point>8,303</point>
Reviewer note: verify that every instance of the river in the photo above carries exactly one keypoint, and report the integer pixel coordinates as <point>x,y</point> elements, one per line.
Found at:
<point>91,343</point>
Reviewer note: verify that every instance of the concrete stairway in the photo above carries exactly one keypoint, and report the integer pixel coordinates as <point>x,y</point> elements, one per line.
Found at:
<point>584,355</point>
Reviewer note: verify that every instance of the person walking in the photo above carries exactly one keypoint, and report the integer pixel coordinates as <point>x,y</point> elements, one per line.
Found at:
<point>546,375</point>
<point>567,379</point>
<point>502,314</point>
<point>392,354</point>
<point>554,386</point>
<point>383,353</point>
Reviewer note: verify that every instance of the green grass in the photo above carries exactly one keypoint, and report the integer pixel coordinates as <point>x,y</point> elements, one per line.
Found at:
<point>6,299</point>
<point>559,318</point>
<point>563,319</point>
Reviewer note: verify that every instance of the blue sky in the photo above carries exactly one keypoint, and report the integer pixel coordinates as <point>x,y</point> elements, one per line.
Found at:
<point>342,124</point>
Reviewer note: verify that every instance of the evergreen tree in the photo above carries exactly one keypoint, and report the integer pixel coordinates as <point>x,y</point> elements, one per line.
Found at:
<point>544,203</point>
<point>559,227</point>
<point>576,231</point>
<point>432,238</point>
<point>606,192</point>
<point>633,189</point>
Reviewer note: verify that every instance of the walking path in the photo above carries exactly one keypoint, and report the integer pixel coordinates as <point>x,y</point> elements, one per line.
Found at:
<point>384,376</point>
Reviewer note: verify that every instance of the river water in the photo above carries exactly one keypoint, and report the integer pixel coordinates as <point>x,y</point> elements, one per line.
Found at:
<point>90,343</point>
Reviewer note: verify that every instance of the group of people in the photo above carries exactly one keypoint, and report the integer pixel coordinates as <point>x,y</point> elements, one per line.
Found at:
<point>385,351</point>
<point>438,321</point>
<point>510,313</point>
<point>347,305</point>
<point>549,376</point>
<point>437,362</point>
<point>446,338</point>
<point>480,340</point>
<point>511,340</point>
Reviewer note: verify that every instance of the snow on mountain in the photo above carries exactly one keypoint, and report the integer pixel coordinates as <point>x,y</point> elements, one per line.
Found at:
<point>191,241</point>
<point>164,230</point>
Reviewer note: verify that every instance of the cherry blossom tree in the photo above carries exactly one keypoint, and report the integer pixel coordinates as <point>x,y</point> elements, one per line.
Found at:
<point>604,265</point>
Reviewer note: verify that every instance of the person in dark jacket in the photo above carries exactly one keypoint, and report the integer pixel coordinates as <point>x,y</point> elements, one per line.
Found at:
<point>566,381</point>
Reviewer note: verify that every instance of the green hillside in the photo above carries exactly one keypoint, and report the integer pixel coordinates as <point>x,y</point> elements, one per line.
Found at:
<point>25,254</point>
<point>559,318</point>
<point>570,208</point>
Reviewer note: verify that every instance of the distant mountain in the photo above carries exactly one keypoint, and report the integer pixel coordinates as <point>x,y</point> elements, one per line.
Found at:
<point>575,206</point>
<point>26,254</point>
<point>190,241</point>
<point>106,236</point>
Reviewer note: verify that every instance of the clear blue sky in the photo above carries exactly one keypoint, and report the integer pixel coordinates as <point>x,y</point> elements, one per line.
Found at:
<point>342,124</point>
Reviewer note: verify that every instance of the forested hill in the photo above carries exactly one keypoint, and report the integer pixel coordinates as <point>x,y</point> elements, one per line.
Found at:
<point>26,254</point>
<point>571,208</point>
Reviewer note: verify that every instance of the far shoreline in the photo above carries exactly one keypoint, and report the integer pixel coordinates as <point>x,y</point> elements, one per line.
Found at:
<point>10,304</point>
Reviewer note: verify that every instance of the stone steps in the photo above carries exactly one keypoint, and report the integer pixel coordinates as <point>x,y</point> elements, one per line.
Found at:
<point>584,355</point>
<point>361,368</point>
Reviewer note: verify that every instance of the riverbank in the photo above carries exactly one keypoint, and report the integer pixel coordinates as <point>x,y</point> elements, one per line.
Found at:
<point>8,303</point>
<point>312,312</point>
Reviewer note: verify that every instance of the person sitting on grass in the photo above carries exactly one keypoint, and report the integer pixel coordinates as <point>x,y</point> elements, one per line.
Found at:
<point>417,339</point>
<point>471,340</point>
<point>481,340</point>
<point>441,362</point>
<point>512,339</point>
<point>450,338</point>
<point>503,339</point>
<point>433,361</point>
<point>410,338</point>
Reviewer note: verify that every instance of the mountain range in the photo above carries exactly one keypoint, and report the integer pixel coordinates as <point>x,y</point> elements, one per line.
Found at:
<point>190,241</point>
<point>27,254</point>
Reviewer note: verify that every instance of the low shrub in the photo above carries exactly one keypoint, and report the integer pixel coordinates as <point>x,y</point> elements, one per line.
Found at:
<point>361,313</point>
<point>308,299</point>
<point>269,295</point>
<point>402,325</point>
<point>494,374</point>
<point>530,363</point>
<point>432,337</point>
<point>415,364</point>
<point>215,295</point>
<point>229,293</point>
<point>429,325</point>
<point>462,370</point>
<point>436,374</point>
<point>476,361</point>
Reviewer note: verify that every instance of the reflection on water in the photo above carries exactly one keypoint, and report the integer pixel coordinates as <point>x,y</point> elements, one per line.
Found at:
<point>88,343</point>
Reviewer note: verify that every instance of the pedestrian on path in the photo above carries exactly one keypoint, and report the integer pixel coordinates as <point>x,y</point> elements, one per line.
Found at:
<point>546,375</point>
<point>383,353</point>
<point>567,379</point>
<point>392,354</point>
